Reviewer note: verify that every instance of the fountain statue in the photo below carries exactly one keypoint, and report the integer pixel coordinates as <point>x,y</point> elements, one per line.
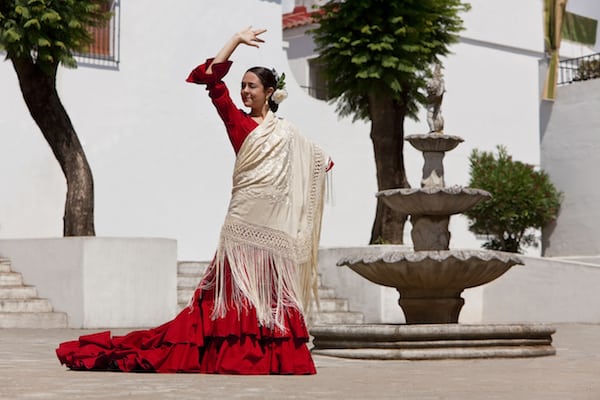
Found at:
<point>431,278</point>
<point>435,94</point>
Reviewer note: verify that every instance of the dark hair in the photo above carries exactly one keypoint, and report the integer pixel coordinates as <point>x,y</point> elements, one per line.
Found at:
<point>268,80</point>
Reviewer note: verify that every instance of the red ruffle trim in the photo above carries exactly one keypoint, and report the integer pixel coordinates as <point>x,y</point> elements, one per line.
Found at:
<point>199,75</point>
<point>193,342</point>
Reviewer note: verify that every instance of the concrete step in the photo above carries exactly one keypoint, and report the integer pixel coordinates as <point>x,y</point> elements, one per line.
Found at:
<point>332,310</point>
<point>25,305</point>
<point>47,320</point>
<point>332,305</point>
<point>19,305</point>
<point>326,293</point>
<point>18,292</point>
<point>11,279</point>
<point>185,281</point>
<point>330,318</point>
<point>184,295</point>
<point>192,267</point>
<point>4,265</point>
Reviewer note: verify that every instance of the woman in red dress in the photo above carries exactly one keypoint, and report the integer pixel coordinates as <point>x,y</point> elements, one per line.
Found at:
<point>247,315</point>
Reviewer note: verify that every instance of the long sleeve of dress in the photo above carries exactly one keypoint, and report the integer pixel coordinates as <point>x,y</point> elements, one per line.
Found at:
<point>237,122</point>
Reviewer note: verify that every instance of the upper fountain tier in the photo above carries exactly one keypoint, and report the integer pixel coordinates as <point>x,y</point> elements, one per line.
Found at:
<point>434,146</point>
<point>434,200</point>
<point>431,205</point>
<point>436,142</point>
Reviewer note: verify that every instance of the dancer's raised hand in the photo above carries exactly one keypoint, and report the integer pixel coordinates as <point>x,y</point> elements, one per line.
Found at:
<point>250,36</point>
<point>246,36</point>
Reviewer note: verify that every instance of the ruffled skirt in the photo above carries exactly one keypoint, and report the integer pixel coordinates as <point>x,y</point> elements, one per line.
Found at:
<point>194,342</point>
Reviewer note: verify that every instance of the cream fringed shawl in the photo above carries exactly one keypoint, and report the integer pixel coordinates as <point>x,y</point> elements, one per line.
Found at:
<point>270,236</point>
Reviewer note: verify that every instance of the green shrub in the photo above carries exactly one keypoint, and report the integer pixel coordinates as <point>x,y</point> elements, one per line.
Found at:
<point>523,199</point>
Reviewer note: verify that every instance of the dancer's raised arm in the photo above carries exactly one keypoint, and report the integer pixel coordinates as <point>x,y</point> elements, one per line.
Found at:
<point>246,36</point>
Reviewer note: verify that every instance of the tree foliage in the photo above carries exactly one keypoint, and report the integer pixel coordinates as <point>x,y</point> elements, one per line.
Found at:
<point>50,31</point>
<point>383,47</point>
<point>523,199</point>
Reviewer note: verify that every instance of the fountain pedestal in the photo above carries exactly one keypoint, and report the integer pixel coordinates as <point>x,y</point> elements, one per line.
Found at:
<point>423,306</point>
<point>430,232</point>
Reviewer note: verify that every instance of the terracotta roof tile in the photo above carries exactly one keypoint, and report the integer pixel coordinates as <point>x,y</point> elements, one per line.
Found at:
<point>299,17</point>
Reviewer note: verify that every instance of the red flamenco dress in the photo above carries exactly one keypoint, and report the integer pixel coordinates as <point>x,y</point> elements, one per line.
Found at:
<point>194,341</point>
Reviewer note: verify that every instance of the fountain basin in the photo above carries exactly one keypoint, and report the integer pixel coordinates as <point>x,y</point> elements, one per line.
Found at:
<point>430,282</point>
<point>438,270</point>
<point>434,142</point>
<point>443,201</point>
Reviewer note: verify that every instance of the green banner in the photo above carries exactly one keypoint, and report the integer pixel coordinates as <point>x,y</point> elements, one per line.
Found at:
<point>579,29</point>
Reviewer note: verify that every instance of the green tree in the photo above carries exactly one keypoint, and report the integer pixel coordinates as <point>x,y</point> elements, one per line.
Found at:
<point>38,36</point>
<point>523,199</point>
<point>377,56</point>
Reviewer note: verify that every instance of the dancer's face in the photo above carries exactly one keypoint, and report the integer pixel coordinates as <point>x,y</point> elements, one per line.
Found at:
<point>253,92</point>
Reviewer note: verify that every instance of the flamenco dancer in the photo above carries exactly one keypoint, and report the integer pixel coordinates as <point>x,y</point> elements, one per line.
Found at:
<point>247,315</point>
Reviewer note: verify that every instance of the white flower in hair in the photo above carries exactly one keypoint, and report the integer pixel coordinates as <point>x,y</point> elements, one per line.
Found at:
<point>279,95</point>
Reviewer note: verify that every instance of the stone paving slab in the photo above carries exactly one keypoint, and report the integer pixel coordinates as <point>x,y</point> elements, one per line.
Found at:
<point>30,370</point>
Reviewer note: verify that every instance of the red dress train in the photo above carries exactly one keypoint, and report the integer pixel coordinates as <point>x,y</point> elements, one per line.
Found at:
<point>194,342</point>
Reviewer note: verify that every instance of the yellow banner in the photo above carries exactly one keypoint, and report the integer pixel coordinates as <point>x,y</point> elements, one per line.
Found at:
<point>554,11</point>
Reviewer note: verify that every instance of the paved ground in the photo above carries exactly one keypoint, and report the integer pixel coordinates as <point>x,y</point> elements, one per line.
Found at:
<point>29,370</point>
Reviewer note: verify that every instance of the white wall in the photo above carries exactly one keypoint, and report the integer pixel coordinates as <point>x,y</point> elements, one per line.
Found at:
<point>571,154</point>
<point>516,23</point>
<point>544,290</point>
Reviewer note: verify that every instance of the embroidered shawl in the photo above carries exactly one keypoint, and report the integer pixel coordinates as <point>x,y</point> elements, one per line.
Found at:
<point>270,236</point>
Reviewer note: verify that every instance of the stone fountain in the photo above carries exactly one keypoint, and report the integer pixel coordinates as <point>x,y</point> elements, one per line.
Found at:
<point>431,278</point>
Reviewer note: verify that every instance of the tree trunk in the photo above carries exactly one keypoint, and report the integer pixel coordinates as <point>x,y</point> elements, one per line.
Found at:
<point>387,135</point>
<point>39,91</point>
